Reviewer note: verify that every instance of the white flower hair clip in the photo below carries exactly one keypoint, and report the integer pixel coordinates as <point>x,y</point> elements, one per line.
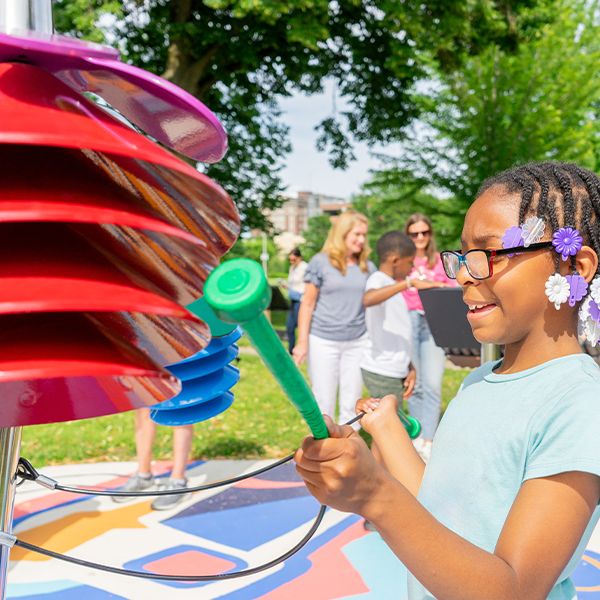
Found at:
<point>557,290</point>
<point>532,231</point>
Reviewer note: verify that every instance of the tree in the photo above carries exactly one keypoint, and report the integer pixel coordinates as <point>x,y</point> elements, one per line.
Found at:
<point>241,56</point>
<point>393,195</point>
<point>315,235</point>
<point>501,109</point>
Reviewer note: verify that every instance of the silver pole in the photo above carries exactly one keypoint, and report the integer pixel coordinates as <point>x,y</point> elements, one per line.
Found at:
<point>26,15</point>
<point>489,352</point>
<point>15,16</point>
<point>10,442</point>
<point>264,255</point>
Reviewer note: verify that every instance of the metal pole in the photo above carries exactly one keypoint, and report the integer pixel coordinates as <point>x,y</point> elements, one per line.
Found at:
<point>489,352</point>
<point>10,441</point>
<point>264,255</point>
<point>15,16</point>
<point>26,15</point>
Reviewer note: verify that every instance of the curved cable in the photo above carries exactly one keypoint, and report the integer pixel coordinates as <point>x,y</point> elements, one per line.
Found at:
<point>144,575</point>
<point>29,472</point>
<point>26,471</point>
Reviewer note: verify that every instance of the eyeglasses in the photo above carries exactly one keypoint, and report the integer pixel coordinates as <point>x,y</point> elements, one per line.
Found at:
<point>415,234</point>
<point>479,263</point>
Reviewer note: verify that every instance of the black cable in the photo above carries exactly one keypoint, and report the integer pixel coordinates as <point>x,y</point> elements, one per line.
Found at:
<point>144,575</point>
<point>29,472</point>
<point>26,471</point>
<point>187,490</point>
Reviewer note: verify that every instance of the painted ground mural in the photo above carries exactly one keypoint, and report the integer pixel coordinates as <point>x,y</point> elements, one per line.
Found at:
<point>223,530</point>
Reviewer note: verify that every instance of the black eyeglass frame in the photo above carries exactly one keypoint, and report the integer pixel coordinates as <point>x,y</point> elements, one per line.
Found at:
<point>491,254</point>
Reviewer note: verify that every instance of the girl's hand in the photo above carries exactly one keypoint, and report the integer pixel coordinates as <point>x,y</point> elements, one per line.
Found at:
<point>377,418</point>
<point>340,471</point>
<point>366,405</point>
<point>299,352</point>
<point>409,383</point>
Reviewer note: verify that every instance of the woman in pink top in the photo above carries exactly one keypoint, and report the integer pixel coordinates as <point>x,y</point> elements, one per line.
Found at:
<point>429,359</point>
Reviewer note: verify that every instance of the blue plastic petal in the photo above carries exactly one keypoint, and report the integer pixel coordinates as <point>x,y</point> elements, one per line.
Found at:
<point>193,414</point>
<point>202,389</point>
<point>191,369</point>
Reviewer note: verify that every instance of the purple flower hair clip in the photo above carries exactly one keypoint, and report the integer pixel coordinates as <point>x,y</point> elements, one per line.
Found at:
<point>567,242</point>
<point>512,238</point>
<point>578,288</point>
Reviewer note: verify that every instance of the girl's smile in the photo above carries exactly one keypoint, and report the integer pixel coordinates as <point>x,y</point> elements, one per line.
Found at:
<point>479,311</point>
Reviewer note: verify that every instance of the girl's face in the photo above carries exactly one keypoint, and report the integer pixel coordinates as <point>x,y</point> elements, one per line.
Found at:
<point>420,234</point>
<point>510,306</point>
<point>355,239</point>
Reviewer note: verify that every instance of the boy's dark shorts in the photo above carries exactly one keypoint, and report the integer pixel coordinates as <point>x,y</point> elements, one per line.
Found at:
<point>379,386</point>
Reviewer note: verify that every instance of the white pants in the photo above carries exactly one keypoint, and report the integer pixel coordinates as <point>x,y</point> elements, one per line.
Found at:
<point>332,364</point>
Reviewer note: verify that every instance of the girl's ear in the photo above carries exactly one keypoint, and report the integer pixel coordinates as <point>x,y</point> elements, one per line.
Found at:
<point>586,263</point>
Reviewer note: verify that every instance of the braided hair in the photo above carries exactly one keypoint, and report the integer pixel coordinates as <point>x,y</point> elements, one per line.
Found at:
<point>562,194</point>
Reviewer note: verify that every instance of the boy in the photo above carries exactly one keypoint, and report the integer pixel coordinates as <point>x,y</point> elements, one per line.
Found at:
<point>385,365</point>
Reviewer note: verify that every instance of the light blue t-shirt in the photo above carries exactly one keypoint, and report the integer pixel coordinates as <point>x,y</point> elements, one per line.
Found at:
<point>502,430</point>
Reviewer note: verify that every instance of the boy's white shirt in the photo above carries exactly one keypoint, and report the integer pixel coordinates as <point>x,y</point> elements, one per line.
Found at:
<point>388,326</point>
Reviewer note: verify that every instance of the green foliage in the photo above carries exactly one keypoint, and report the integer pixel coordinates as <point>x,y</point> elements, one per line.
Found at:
<point>393,195</point>
<point>252,248</point>
<point>261,423</point>
<point>241,56</point>
<point>502,108</point>
<point>315,235</point>
<point>81,17</point>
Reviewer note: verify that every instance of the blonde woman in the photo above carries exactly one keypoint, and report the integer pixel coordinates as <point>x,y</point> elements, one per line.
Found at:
<point>331,321</point>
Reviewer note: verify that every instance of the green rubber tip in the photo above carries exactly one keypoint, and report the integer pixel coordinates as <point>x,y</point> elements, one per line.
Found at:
<point>237,290</point>
<point>218,328</point>
<point>415,428</point>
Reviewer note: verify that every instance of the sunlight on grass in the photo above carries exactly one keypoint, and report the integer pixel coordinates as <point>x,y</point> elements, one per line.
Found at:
<point>261,423</point>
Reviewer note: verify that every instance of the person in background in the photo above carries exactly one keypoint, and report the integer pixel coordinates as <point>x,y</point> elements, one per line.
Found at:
<point>386,362</point>
<point>142,479</point>
<point>331,321</point>
<point>428,358</point>
<point>295,287</point>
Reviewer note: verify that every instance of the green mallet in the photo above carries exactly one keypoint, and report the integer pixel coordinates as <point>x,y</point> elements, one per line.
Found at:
<point>238,292</point>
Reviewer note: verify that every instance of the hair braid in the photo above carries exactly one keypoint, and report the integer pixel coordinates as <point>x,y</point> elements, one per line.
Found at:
<point>563,194</point>
<point>590,214</point>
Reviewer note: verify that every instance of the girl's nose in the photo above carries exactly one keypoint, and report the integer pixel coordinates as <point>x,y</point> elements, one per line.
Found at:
<point>463,277</point>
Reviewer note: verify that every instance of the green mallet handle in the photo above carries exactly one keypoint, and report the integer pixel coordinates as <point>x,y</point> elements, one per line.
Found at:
<point>238,292</point>
<point>412,426</point>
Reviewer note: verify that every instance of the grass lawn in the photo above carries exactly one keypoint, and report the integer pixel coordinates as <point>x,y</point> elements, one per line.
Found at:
<point>261,423</point>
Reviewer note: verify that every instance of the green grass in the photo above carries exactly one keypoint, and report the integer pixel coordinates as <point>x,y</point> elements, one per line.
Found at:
<point>261,423</point>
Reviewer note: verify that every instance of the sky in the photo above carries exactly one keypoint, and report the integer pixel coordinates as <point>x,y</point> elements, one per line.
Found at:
<point>309,170</point>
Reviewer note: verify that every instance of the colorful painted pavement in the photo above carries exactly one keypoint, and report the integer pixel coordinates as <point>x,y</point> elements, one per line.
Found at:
<point>222,530</point>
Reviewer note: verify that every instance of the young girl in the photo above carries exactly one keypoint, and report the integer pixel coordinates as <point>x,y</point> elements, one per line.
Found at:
<point>509,497</point>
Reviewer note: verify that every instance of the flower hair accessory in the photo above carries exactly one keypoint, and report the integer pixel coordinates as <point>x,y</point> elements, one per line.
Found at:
<point>578,288</point>
<point>589,320</point>
<point>567,242</point>
<point>512,237</point>
<point>532,231</point>
<point>595,290</point>
<point>557,290</point>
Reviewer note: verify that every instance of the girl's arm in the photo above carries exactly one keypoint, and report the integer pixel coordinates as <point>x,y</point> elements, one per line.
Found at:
<point>393,445</point>
<point>539,536</point>
<point>307,307</point>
